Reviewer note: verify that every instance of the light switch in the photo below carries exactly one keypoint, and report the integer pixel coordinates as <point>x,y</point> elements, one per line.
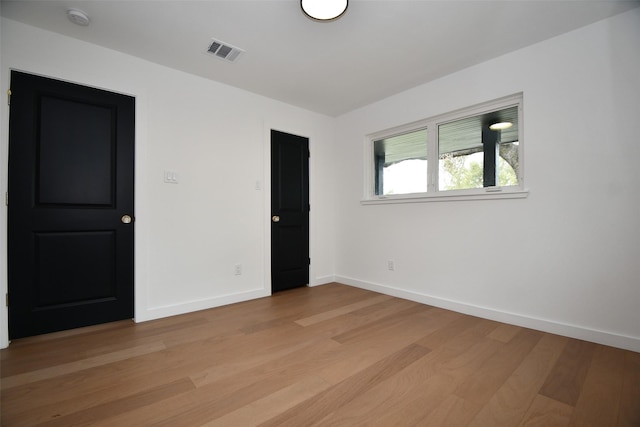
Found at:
<point>170,177</point>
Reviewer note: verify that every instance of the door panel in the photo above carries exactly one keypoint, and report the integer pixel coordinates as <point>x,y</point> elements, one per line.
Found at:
<point>71,158</point>
<point>290,205</point>
<point>65,259</point>
<point>88,168</point>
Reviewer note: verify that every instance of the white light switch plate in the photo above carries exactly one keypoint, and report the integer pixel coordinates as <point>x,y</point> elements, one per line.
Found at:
<point>170,177</point>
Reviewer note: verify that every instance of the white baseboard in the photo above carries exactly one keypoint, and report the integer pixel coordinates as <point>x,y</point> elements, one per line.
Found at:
<point>323,280</point>
<point>191,306</point>
<point>567,330</point>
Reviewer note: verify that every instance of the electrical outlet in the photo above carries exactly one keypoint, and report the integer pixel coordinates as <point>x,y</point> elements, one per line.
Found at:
<point>238,269</point>
<point>391,265</point>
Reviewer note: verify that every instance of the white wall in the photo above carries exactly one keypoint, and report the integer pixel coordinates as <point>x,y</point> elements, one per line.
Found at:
<point>567,258</point>
<point>189,235</point>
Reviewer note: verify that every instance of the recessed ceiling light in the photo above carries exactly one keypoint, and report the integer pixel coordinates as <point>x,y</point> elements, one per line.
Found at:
<point>501,126</point>
<point>78,17</point>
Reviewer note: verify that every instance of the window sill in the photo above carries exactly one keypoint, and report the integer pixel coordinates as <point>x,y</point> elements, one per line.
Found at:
<point>491,194</point>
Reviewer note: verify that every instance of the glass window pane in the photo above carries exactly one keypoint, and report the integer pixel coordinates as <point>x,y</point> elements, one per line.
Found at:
<point>508,164</point>
<point>479,151</point>
<point>400,163</point>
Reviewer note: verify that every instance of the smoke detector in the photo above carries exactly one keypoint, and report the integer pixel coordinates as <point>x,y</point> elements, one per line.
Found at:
<point>78,17</point>
<point>224,50</point>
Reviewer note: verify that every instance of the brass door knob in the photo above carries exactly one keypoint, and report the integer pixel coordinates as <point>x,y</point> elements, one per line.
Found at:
<point>126,219</point>
<point>275,218</point>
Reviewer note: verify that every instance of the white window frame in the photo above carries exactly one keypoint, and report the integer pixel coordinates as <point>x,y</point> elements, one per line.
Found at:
<point>433,194</point>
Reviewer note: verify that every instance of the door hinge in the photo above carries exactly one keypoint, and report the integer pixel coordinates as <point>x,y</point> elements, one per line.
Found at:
<point>309,261</point>
<point>6,299</point>
<point>9,97</point>
<point>6,198</point>
<point>309,153</point>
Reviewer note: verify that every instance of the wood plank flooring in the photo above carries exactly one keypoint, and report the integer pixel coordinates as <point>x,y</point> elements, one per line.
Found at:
<point>331,355</point>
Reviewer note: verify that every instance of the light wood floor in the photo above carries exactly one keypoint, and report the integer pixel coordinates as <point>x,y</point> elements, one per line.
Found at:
<point>330,355</point>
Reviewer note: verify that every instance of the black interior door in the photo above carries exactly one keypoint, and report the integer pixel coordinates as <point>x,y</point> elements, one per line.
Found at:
<point>289,210</point>
<point>70,215</point>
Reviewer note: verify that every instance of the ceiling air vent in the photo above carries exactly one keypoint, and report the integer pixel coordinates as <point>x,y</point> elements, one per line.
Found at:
<point>224,50</point>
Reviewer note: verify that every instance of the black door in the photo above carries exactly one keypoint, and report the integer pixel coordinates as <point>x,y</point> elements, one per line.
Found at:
<point>70,226</point>
<point>290,211</point>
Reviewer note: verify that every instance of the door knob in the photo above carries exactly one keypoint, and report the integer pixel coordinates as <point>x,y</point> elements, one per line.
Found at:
<point>126,219</point>
<point>275,218</point>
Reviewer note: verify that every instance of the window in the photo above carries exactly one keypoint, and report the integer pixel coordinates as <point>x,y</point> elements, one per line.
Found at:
<point>401,163</point>
<point>471,153</point>
<point>479,151</point>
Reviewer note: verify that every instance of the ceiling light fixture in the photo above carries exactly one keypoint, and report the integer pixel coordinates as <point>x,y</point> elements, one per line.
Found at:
<point>78,17</point>
<point>501,126</point>
<point>324,10</point>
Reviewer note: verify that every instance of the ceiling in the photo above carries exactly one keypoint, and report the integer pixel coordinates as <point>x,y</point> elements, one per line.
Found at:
<point>377,49</point>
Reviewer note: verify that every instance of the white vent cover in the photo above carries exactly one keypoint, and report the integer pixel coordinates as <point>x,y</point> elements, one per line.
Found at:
<point>224,50</point>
